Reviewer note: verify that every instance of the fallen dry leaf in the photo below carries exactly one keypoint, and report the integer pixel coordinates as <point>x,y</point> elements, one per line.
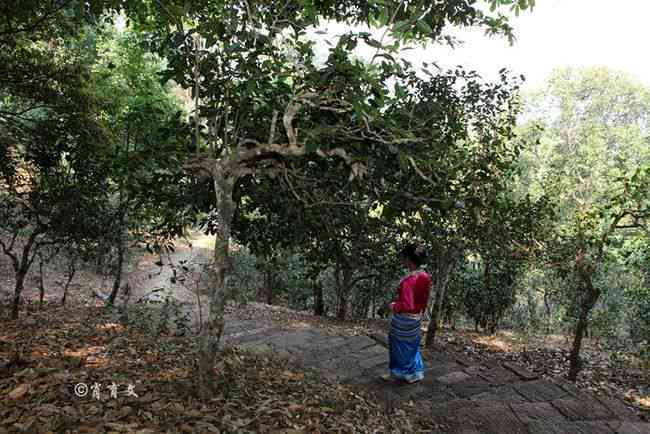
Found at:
<point>19,391</point>
<point>296,376</point>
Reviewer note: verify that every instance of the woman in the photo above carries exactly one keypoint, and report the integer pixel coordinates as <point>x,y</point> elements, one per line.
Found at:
<point>406,319</point>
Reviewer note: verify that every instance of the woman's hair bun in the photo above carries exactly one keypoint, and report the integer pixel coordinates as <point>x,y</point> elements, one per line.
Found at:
<point>415,253</point>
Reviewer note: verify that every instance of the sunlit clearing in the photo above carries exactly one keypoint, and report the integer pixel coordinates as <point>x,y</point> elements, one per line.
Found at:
<point>494,343</point>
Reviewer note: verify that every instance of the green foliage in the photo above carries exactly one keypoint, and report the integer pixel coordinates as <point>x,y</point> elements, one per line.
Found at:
<point>594,122</point>
<point>487,302</point>
<point>295,281</point>
<point>464,280</point>
<point>81,110</point>
<point>419,153</point>
<point>148,137</point>
<point>51,140</point>
<point>592,159</point>
<point>637,293</point>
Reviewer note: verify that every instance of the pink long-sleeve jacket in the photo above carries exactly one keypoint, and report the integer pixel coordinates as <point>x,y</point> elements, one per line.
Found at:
<point>413,294</point>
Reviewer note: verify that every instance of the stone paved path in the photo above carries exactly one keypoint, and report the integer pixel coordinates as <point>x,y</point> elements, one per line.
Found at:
<point>459,395</point>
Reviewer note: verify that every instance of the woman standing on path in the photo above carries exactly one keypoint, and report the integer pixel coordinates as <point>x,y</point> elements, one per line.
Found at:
<point>406,319</point>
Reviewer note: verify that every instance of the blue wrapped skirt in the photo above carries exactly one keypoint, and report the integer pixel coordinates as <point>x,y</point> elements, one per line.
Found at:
<point>404,341</point>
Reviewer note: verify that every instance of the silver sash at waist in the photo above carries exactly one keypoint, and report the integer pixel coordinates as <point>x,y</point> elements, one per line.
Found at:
<point>410,315</point>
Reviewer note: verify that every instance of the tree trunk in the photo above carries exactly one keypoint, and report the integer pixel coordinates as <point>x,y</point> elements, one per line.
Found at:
<point>338,285</point>
<point>366,306</point>
<point>211,333</point>
<point>588,298</point>
<point>434,322</point>
<point>581,328</point>
<point>547,309</point>
<point>490,321</point>
<point>21,267</point>
<point>267,286</point>
<point>121,245</point>
<point>445,266</point>
<point>117,274</point>
<point>41,284</point>
<point>437,266</point>
<point>344,293</point>
<point>319,308</point>
<point>18,290</point>
<point>494,322</point>
<point>574,358</point>
<point>342,310</point>
<point>71,272</point>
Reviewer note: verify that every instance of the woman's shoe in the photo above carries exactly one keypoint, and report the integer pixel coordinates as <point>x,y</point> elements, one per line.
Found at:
<point>388,377</point>
<point>413,380</point>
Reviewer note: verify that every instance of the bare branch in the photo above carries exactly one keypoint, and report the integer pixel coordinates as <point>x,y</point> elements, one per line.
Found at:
<point>418,171</point>
<point>633,226</point>
<point>371,135</point>
<point>274,121</point>
<point>261,151</point>
<point>292,109</point>
<point>14,237</point>
<point>286,178</point>
<point>8,250</point>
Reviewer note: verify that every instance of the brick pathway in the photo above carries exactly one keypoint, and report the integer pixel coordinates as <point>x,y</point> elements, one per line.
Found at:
<point>459,395</point>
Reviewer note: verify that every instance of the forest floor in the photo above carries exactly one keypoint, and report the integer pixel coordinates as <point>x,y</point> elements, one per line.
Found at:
<point>50,350</point>
<point>280,372</point>
<point>52,359</point>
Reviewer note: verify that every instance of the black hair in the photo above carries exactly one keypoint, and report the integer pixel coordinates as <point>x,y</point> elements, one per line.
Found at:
<point>414,253</point>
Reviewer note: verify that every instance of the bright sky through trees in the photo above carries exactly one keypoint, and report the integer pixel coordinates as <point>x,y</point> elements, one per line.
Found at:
<point>557,33</point>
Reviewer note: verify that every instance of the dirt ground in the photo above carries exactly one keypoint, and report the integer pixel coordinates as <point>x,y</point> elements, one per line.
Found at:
<point>149,275</point>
